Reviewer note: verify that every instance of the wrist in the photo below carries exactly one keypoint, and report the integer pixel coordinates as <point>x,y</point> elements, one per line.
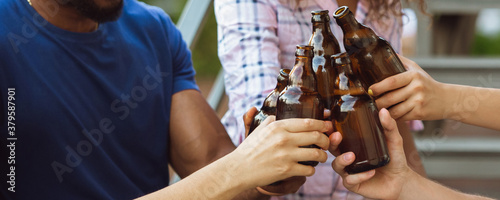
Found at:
<point>411,186</point>
<point>235,173</point>
<point>451,97</point>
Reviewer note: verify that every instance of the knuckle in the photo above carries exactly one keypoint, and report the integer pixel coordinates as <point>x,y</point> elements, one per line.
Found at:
<point>414,74</point>
<point>274,128</point>
<point>419,101</point>
<point>418,87</point>
<point>310,171</point>
<point>283,169</point>
<point>308,123</point>
<point>275,124</point>
<point>315,154</point>
<point>394,113</point>
<point>281,157</point>
<point>419,114</point>
<point>389,99</point>
<point>390,96</point>
<point>316,135</point>
<point>398,141</point>
<point>286,169</point>
<point>349,180</point>
<point>322,155</point>
<point>391,81</point>
<point>281,140</point>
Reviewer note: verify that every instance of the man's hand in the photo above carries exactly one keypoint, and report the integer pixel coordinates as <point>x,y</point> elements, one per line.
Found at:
<point>282,187</point>
<point>248,119</point>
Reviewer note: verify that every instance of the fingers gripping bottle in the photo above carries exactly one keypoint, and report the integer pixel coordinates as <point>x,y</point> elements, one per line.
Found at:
<point>301,99</point>
<point>356,118</point>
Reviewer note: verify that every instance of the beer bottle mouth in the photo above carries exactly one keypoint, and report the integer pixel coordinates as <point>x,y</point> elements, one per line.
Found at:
<point>341,12</point>
<point>320,16</point>
<point>319,12</point>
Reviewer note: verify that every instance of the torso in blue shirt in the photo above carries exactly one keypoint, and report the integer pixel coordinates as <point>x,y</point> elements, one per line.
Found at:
<point>91,109</point>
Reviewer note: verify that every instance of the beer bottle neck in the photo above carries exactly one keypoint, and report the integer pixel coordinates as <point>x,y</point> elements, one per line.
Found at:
<point>282,80</point>
<point>269,104</point>
<point>270,101</point>
<point>280,86</point>
<point>348,23</point>
<point>303,75</point>
<point>322,27</point>
<point>346,80</point>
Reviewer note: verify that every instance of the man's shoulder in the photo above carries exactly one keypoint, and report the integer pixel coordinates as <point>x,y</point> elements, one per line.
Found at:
<point>13,16</point>
<point>7,4</point>
<point>144,13</point>
<point>8,8</point>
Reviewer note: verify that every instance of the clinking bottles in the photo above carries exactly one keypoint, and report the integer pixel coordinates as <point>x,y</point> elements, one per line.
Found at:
<point>325,45</point>
<point>373,59</point>
<point>269,105</point>
<point>356,118</point>
<point>301,99</point>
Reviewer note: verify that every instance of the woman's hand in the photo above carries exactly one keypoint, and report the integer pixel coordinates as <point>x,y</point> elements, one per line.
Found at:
<point>411,95</point>
<point>272,152</point>
<point>289,185</point>
<point>382,183</point>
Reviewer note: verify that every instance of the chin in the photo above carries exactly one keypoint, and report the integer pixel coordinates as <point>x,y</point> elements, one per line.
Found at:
<point>99,10</point>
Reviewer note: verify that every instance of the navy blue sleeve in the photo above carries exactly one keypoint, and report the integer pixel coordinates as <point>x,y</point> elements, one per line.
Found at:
<point>182,64</point>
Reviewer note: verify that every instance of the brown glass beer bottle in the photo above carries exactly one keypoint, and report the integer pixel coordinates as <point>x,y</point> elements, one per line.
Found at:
<point>373,59</point>
<point>269,105</point>
<point>325,45</point>
<point>356,118</point>
<point>301,99</point>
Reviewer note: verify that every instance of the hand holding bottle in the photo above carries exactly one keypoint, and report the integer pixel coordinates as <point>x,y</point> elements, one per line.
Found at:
<point>412,95</point>
<point>285,137</point>
<point>382,183</point>
<point>395,180</point>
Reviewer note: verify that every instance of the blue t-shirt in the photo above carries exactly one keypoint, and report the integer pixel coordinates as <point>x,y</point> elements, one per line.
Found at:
<point>91,110</point>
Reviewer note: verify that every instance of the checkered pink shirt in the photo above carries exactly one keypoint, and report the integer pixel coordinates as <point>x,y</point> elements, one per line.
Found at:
<point>256,39</point>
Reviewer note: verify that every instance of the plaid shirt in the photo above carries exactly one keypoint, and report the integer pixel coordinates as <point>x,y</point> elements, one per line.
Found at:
<point>256,39</point>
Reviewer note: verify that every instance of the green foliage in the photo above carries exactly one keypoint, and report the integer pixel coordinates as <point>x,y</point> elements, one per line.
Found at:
<point>486,45</point>
<point>205,59</point>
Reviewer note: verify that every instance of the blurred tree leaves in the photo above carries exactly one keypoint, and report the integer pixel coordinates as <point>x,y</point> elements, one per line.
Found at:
<point>486,45</point>
<point>205,59</point>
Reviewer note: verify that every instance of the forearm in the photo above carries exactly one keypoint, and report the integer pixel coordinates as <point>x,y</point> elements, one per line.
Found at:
<point>218,180</point>
<point>473,105</point>
<point>411,153</point>
<point>418,187</point>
